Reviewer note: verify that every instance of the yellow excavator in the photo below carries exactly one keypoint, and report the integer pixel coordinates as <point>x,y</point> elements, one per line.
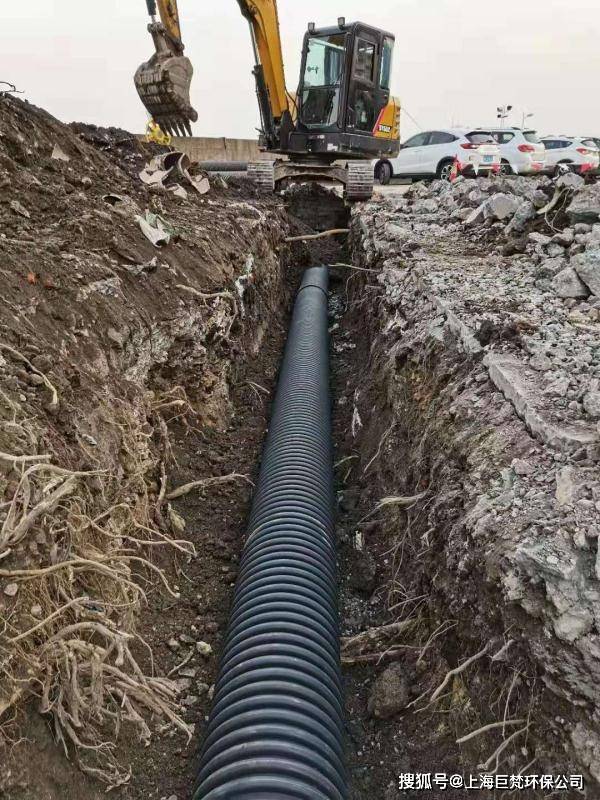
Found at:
<point>340,119</point>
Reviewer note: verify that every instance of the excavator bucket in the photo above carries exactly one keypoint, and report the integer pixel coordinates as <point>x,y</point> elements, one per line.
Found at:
<point>163,84</point>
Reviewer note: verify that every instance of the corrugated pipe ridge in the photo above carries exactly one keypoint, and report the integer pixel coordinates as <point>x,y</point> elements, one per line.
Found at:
<point>276,727</point>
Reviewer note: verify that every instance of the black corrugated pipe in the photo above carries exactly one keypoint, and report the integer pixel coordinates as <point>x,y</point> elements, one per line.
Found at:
<point>276,727</point>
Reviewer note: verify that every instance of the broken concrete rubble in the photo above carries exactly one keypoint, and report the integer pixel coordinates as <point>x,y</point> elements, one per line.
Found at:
<point>587,267</point>
<point>567,283</point>
<point>585,206</point>
<point>495,358</point>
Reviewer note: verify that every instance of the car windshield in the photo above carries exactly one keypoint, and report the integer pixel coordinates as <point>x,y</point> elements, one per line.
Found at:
<point>480,138</point>
<point>531,136</point>
<point>589,143</point>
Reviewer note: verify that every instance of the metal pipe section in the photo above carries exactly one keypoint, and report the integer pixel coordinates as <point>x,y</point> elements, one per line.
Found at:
<point>276,728</point>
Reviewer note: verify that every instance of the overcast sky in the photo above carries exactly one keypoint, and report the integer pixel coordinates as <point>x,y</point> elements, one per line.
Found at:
<point>455,60</point>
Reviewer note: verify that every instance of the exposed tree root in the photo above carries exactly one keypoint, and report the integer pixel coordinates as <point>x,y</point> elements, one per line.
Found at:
<point>205,483</point>
<point>95,533</point>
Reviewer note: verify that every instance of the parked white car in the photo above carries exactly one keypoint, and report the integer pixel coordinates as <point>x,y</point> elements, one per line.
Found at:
<point>433,154</point>
<point>522,151</point>
<point>577,153</point>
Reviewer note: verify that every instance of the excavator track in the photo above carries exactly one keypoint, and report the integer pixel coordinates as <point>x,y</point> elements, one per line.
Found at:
<point>262,175</point>
<point>360,180</point>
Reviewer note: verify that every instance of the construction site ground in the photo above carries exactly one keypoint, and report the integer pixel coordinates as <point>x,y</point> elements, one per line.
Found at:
<point>135,391</point>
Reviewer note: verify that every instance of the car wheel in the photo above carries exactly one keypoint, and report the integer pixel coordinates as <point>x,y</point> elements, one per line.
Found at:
<point>505,168</point>
<point>383,172</point>
<point>444,171</point>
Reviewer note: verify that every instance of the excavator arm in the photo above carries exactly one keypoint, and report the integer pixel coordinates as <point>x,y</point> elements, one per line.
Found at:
<point>163,82</point>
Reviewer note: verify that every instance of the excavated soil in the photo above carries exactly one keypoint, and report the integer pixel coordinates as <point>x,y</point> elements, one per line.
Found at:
<point>128,371</point>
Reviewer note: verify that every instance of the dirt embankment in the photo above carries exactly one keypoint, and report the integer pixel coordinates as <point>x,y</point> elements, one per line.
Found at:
<point>126,371</point>
<point>472,483</point>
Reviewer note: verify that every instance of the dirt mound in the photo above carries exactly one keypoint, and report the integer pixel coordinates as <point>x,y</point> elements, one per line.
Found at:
<point>106,342</point>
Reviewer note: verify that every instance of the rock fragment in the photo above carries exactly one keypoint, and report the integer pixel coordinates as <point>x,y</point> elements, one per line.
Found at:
<point>585,206</point>
<point>524,213</point>
<point>568,284</point>
<point>587,267</point>
<point>390,693</point>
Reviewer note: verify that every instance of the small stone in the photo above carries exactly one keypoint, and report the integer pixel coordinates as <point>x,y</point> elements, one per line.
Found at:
<point>501,206</point>
<point>568,284</point>
<point>173,644</point>
<point>190,700</point>
<point>573,624</point>
<point>363,571</point>
<point>11,590</point>
<point>522,467</point>
<point>587,267</point>
<point>566,486</point>
<point>188,672</point>
<point>585,206</point>
<point>591,404</point>
<point>204,649</point>
<point>525,212</point>
<point>565,237</point>
<point>571,181</point>
<point>555,250</point>
<point>36,611</point>
<point>118,339</point>
<point>558,387</point>
<point>539,239</point>
<point>539,199</point>
<point>476,215</point>
<point>390,693</point>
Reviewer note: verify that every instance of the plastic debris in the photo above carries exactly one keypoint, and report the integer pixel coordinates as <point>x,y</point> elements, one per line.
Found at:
<point>173,166</point>
<point>155,229</point>
<point>58,154</point>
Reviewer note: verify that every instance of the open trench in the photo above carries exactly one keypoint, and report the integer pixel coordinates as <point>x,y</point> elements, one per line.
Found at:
<point>398,484</point>
<point>384,739</point>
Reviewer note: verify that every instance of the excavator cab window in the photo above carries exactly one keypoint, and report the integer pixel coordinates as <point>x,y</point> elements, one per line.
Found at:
<point>369,86</point>
<point>322,81</point>
<point>387,57</point>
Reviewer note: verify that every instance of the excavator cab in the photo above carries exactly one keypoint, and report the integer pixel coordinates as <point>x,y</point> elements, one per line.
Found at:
<point>344,107</point>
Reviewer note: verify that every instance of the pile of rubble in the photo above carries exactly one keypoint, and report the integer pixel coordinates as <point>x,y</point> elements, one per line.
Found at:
<point>489,329</point>
<point>555,222</point>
